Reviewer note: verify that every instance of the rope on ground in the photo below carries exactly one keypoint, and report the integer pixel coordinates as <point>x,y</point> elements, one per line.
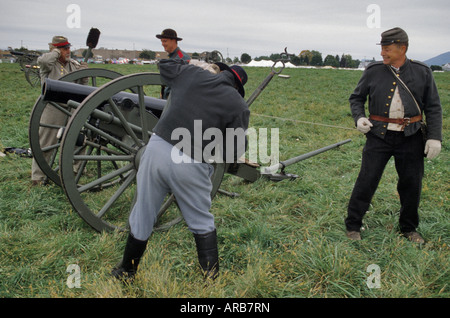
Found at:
<point>304,122</point>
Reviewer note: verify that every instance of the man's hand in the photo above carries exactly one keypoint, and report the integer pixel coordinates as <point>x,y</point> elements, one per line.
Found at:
<point>213,68</point>
<point>83,65</point>
<point>432,148</point>
<point>54,49</point>
<point>363,125</point>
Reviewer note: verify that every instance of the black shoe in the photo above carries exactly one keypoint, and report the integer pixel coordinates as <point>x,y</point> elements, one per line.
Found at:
<point>353,235</point>
<point>126,269</point>
<point>414,237</point>
<point>208,255</point>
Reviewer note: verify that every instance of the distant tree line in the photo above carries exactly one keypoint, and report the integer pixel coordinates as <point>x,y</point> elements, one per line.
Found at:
<point>310,58</point>
<point>436,68</point>
<point>306,57</point>
<point>147,54</point>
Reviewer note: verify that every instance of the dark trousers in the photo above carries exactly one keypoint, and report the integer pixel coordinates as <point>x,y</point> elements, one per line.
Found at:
<point>409,163</point>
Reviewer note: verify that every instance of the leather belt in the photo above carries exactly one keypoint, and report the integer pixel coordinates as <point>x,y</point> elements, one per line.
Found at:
<point>399,121</point>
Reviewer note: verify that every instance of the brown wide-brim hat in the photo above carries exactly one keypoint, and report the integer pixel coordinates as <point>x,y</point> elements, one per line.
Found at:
<point>168,34</point>
<point>60,41</point>
<point>395,35</point>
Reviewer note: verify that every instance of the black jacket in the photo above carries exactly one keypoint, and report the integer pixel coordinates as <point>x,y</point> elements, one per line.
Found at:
<point>202,102</point>
<point>378,83</point>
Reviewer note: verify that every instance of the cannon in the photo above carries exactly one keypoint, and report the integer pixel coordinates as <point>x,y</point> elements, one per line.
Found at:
<point>101,144</point>
<point>46,155</point>
<point>28,64</point>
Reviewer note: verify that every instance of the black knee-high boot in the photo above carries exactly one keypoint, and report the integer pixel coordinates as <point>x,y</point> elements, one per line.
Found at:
<point>134,249</point>
<point>208,255</point>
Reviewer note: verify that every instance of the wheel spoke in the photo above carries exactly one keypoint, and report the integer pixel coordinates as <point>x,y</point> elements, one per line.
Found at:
<point>60,108</point>
<point>103,158</point>
<point>55,146</point>
<point>103,148</point>
<point>79,170</point>
<point>143,115</point>
<point>105,178</point>
<point>124,122</point>
<point>44,125</point>
<point>117,194</point>
<point>166,205</point>
<point>110,138</point>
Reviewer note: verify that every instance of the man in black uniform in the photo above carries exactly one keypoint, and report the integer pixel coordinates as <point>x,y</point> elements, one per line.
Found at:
<point>394,129</point>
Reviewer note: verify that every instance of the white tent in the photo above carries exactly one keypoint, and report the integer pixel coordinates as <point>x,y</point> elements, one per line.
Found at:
<point>266,63</point>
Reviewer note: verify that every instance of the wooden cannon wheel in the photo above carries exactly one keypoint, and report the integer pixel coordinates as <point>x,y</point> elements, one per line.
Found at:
<point>32,74</point>
<point>50,167</point>
<point>111,139</point>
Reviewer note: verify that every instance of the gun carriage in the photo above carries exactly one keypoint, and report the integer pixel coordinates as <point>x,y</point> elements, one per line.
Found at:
<point>107,130</point>
<point>28,64</point>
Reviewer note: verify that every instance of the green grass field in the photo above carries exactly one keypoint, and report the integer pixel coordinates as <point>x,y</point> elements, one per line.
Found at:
<point>276,240</point>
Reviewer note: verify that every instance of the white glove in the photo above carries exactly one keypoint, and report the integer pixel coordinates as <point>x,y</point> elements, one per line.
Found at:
<point>363,125</point>
<point>432,148</point>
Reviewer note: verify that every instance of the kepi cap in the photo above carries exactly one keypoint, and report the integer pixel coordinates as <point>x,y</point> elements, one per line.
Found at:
<point>395,35</point>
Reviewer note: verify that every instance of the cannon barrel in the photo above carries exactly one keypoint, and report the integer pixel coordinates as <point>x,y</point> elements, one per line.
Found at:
<point>19,53</point>
<point>62,92</point>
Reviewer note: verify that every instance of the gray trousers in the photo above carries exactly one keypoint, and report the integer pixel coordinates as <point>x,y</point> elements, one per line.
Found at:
<point>159,175</point>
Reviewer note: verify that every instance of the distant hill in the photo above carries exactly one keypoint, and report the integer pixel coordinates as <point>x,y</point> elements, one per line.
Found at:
<point>440,60</point>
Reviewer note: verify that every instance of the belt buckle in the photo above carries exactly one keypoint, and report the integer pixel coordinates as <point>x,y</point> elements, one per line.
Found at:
<point>406,122</point>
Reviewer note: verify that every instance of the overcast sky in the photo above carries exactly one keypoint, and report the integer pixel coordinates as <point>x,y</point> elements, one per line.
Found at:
<point>256,27</point>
